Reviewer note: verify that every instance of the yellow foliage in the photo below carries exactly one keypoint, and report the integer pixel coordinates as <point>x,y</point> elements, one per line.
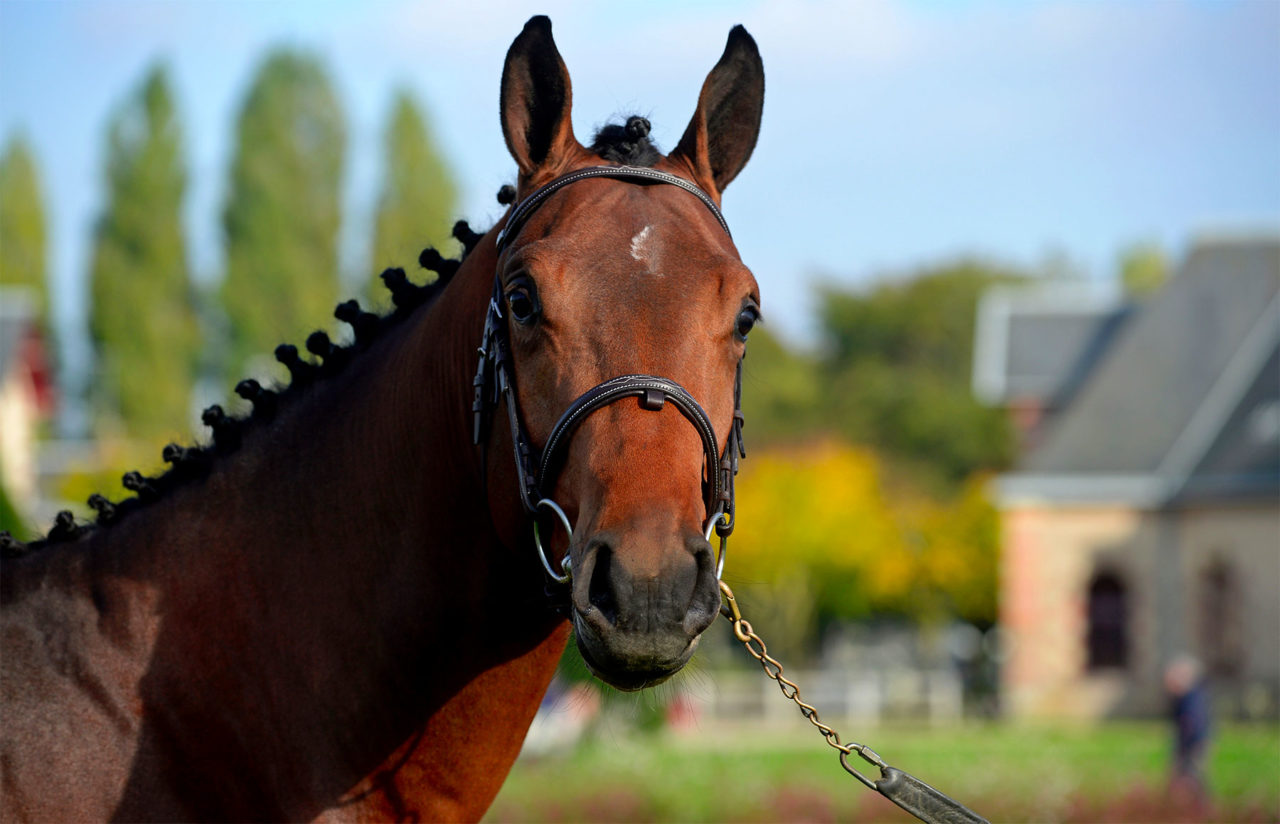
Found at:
<point>820,526</point>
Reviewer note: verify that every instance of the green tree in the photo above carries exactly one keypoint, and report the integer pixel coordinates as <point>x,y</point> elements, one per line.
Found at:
<point>22,224</point>
<point>416,207</point>
<point>284,208</point>
<point>10,519</point>
<point>898,361</point>
<point>142,319</point>
<point>1143,269</point>
<point>781,392</point>
<point>924,321</point>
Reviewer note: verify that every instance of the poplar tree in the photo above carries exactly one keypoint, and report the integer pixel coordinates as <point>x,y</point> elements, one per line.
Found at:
<point>142,320</point>
<point>22,224</point>
<point>417,205</point>
<point>284,208</point>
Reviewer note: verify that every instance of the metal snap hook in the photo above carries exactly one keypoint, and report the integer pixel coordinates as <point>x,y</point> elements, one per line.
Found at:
<point>537,542</point>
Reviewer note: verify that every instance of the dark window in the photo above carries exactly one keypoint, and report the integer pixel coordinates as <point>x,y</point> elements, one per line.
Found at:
<point>1108,633</point>
<point>1221,630</point>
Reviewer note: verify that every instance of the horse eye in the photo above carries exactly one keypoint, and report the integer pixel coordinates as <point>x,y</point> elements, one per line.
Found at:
<point>746,322</point>
<point>523,307</point>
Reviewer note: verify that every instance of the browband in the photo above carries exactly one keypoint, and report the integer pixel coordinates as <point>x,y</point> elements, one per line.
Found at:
<point>530,204</point>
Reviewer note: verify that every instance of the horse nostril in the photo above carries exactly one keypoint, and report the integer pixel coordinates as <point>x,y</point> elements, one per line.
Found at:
<point>704,604</point>
<point>600,592</point>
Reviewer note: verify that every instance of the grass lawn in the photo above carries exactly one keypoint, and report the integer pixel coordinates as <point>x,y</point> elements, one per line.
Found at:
<point>749,773</point>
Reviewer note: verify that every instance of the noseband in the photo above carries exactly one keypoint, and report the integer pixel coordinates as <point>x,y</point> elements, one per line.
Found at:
<point>537,470</point>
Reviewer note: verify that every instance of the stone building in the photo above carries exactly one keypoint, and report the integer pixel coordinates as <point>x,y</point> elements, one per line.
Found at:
<point>1144,518</point>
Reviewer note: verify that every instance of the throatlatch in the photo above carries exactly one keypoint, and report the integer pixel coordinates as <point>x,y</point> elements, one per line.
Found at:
<point>537,469</point>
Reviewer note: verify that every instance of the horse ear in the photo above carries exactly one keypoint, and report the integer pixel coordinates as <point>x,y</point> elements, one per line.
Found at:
<point>536,101</point>
<point>724,128</point>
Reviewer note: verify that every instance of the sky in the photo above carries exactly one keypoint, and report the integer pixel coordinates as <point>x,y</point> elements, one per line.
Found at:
<point>895,134</point>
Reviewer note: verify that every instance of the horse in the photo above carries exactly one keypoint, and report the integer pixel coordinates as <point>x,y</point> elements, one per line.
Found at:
<point>349,604</point>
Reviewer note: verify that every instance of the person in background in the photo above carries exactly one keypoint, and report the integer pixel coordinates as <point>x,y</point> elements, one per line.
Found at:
<point>1189,709</point>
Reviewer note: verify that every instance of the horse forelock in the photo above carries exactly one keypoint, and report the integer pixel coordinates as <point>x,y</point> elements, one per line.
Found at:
<point>626,143</point>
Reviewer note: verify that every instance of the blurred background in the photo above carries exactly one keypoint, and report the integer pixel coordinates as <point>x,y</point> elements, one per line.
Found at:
<point>1011,513</point>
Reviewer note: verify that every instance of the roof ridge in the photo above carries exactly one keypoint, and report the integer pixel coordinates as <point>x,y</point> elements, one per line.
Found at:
<point>1226,393</point>
<point>1175,353</point>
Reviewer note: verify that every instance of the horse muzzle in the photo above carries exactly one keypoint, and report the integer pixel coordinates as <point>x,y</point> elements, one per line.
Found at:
<point>639,604</point>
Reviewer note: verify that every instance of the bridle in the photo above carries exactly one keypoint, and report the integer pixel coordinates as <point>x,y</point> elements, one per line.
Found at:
<point>537,472</point>
<point>536,469</point>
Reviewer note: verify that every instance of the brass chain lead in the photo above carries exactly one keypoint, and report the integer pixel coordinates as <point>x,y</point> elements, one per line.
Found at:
<point>756,648</point>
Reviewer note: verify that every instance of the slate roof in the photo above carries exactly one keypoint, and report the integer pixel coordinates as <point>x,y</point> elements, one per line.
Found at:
<point>1040,343</point>
<point>1244,458</point>
<point>1170,408</point>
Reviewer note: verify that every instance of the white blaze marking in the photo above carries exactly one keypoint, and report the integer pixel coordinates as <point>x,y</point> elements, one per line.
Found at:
<point>639,245</point>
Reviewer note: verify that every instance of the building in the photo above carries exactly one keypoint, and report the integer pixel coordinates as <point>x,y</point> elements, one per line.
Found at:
<point>1034,346</point>
<point>1144,518</point>
<point>26,396</point>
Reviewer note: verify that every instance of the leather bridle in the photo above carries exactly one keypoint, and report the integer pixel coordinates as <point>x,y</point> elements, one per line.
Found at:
<point>537,470</point>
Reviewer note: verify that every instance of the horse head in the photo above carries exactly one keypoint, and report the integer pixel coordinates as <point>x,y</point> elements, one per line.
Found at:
<point>628,277</point>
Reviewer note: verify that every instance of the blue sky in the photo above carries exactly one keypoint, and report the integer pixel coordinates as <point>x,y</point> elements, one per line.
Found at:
<point>895,134</point>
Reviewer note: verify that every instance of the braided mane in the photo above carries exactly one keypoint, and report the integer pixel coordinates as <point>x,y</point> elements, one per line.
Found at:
<point>627,143</point>
<point>189,463</point>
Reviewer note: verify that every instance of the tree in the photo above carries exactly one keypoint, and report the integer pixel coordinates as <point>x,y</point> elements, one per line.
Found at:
<point>22,224</point>
<point>898,366</point>
<point>10,520</point>
<point>924,321</point>
<point>416,207</point>
<point>821,530</point>
<point>284,209</point>
<point>815,530</point>
<point>1143,269</point>
<point>142,320</point>
<point>781,392</point>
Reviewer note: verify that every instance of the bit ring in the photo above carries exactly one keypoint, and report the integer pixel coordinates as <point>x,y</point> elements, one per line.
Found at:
<point>537,542</point>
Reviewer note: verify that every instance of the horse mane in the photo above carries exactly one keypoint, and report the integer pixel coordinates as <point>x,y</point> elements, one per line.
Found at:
<point>626,143</point>
<point>190,463</point>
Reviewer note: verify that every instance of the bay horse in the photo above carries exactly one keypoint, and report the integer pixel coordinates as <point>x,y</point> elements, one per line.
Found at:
<point>335,610</point>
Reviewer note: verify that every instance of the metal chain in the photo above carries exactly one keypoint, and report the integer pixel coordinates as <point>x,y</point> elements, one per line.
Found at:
<point>772,668</point>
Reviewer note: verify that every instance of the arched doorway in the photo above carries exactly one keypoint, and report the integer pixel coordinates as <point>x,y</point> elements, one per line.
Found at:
<point>1107,636</point>
<point>1220,620</point>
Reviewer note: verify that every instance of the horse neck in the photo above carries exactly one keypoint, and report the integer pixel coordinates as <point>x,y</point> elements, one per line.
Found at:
<point>323,596</point>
